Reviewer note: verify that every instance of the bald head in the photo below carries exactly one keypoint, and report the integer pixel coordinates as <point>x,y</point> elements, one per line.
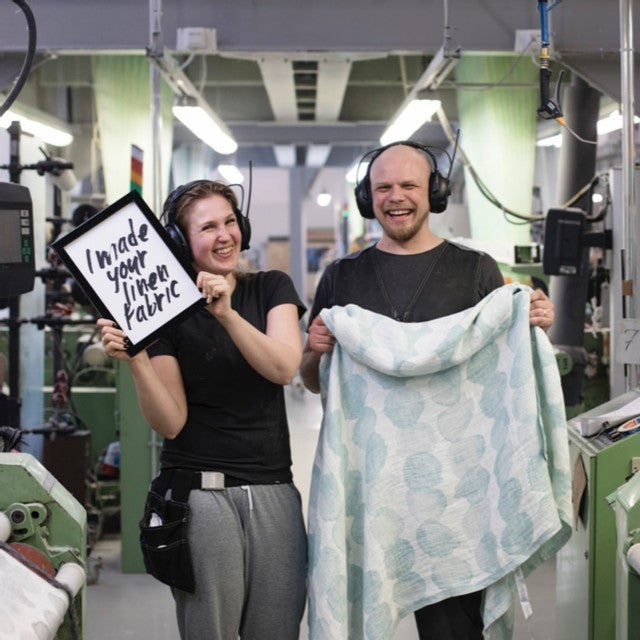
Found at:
<point>399,181</point>
<point>401,155</point>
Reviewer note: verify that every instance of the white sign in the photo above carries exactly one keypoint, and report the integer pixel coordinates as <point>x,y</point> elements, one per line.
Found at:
<point>131,270</point>
<point>628,342</point>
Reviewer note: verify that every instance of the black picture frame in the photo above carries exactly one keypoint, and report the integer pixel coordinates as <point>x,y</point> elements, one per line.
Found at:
<point>131,270</point>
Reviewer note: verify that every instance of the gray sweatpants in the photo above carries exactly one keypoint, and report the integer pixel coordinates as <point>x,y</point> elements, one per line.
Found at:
<point>249,553</point>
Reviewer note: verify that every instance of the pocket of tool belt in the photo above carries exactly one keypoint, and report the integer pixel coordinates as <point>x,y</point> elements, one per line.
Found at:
<point>165,548</point>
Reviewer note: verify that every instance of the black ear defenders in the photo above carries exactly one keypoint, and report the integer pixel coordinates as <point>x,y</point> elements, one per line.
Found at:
<point>439,188</point>
<point>174,230</point>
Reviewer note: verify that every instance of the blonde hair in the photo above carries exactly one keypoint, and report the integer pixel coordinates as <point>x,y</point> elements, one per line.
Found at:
<point>198,190</point>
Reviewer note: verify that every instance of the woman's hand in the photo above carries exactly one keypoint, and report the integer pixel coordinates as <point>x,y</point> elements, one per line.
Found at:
<point>113,339</point>
<point>217,290</point>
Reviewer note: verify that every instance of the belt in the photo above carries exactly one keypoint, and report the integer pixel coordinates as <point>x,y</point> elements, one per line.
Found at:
<point>181,481</point>
<point>215,480</point>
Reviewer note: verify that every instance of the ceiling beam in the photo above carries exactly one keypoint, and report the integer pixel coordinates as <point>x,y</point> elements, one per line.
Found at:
<point>246,25</point>
<point>333,76</point>
<point>277,75</point>
<point>303,133</point>
<point>336,134</point>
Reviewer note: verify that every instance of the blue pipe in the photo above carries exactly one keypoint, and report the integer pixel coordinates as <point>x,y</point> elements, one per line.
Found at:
<point>544,33</point>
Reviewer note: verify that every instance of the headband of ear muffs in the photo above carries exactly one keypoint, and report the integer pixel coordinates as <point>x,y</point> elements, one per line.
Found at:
<point>174,230</point>
<point>439,188</point>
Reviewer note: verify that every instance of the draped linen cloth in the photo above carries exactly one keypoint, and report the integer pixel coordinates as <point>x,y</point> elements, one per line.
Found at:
<point>442,466</point>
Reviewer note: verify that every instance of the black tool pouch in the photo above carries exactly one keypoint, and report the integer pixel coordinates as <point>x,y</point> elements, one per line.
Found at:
<point>165,548</point>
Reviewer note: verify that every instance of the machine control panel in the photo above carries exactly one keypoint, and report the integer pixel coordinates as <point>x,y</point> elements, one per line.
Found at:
<point>17,257</point>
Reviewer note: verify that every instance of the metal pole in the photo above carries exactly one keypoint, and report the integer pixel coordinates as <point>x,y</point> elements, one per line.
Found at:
<point>155,49</point>
<point>15,400</point>
<point>298,185</point>
<point>631,233</point>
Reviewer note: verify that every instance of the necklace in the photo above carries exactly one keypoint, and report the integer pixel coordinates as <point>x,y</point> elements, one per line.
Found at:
<point>395,314</point>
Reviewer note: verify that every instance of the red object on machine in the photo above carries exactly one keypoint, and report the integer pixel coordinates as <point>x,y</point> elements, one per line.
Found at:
<point>34,556</point>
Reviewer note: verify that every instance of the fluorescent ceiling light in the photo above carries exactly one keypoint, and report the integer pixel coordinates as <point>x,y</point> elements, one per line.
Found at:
<point>612,122</point>
<point>415,110</point>
<point>192,109</point>
<point>231,173</point>
<point>412,116</point>
<point>39,124</point>
<point>323,199</point>
<point>203,122</point>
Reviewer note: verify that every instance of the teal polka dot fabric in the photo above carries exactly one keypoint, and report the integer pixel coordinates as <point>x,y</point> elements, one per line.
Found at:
<point>442,466</point>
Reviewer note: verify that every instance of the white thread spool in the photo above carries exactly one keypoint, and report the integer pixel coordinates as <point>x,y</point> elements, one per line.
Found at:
<point>72,575</point>
<point>633,557</point>
<point>35,608</point>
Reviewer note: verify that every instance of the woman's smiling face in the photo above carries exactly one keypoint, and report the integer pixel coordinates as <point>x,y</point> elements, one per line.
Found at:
<point>214,235</point>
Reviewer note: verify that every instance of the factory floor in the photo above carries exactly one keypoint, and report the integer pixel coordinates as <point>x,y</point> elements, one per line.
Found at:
<point>137,606</point>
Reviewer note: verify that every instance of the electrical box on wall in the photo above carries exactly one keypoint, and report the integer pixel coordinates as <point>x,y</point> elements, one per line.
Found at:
<point>527,39</point>
<point>196,40</point>
<point>563,241</point>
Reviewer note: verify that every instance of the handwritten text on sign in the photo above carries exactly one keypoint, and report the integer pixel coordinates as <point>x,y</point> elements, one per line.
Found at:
<point>133,272</point>
<point>628,342</point>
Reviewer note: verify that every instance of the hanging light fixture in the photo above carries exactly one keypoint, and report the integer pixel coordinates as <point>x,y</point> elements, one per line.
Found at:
<point>409,119</point>
<point>39,124</point>
<point>191,108</point>
<point>197,116</point>
<point>323,198</point>
<point>416,109</point>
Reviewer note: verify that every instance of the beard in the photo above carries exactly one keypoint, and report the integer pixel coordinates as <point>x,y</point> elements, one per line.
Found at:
<point>404,234</point>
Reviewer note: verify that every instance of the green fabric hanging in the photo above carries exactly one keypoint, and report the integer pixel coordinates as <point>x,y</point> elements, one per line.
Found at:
<point>498,134</point>
<point>123,107</point>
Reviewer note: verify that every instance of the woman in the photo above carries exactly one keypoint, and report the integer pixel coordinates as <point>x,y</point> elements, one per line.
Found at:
<point>213,388</point>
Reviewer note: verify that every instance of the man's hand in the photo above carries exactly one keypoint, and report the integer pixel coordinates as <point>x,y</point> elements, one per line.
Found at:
<point>540,310</point>
<point>320,339</point>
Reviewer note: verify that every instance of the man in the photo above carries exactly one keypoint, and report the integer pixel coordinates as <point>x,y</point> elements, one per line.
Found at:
<point>410,275</point>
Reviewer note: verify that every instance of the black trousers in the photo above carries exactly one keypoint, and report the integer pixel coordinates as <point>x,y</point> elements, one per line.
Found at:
<point>458,618</point>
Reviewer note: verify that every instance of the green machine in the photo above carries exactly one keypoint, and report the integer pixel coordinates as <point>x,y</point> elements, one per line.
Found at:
<point>604,455</point>
<point>626,506</point>
<point>40,521</point>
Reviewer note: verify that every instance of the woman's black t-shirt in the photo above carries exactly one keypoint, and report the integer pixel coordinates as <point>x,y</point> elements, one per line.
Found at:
<point>236,420</point>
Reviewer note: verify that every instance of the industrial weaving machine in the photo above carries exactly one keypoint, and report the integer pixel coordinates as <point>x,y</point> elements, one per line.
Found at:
<point>43,559</point>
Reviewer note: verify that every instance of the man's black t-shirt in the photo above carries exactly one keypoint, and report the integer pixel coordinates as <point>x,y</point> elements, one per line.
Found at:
<point>236,419</point>
<point>412,288</point>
